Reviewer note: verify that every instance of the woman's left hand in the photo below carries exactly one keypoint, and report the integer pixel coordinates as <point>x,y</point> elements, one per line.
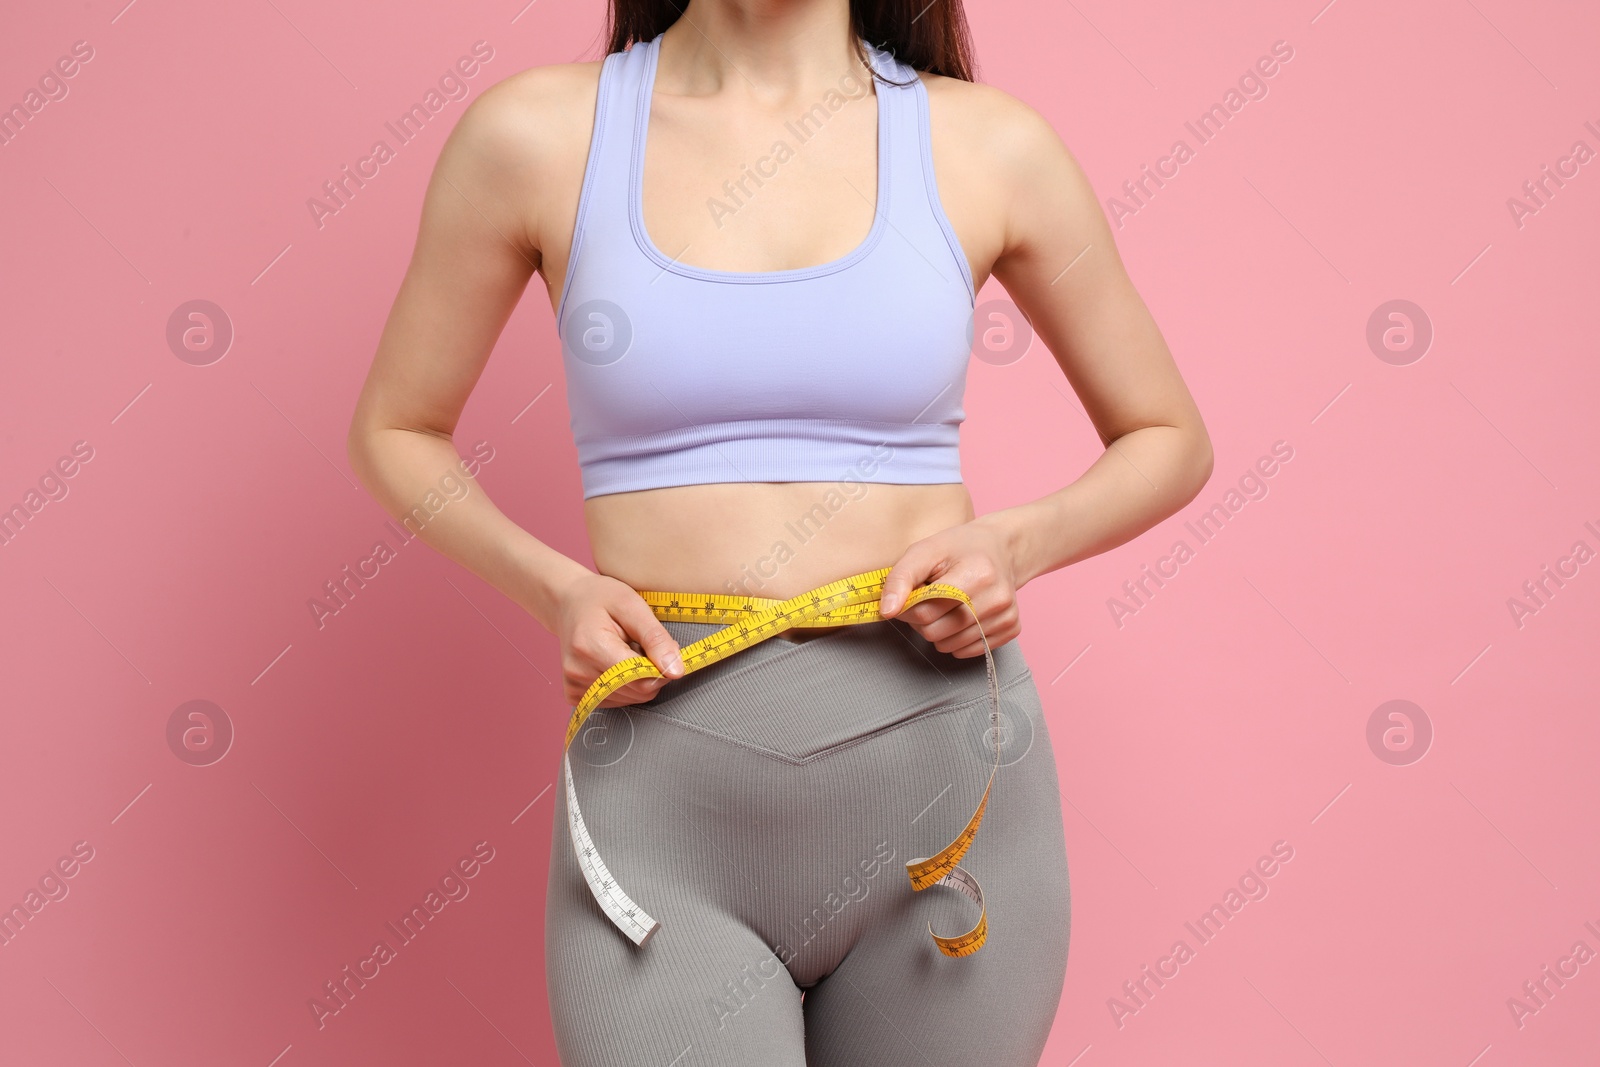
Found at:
<point>975,557</point>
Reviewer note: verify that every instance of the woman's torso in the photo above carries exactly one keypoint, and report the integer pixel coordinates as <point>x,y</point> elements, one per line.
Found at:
<point>773,539</point>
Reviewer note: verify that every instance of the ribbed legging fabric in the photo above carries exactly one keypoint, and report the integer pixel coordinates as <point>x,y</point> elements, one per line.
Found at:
<point>763,809</point>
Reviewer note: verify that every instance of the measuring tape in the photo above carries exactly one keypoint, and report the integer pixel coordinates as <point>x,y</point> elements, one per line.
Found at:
<point>752,620</point>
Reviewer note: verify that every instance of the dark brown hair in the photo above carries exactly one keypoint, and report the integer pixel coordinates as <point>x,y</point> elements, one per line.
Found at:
<point>926,36</point>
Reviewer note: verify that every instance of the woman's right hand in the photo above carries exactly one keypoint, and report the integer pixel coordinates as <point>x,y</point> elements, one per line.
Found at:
<point>596,618</point>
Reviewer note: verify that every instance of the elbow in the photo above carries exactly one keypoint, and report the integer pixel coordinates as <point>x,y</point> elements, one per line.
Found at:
<point>1203,457</point>
<point>357,452</point>
<point>1202,460</point>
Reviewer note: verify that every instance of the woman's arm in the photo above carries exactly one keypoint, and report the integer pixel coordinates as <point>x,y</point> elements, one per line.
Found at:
<point>1061,267</point>
<point>1059,263</point>
<point>477,246</point>
<point>472,260</point>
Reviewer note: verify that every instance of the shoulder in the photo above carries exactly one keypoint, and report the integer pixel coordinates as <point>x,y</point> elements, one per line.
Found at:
<point>991,124</point>
<point>1006,148</point>
<point>531,120</point>
<point>518,151</point>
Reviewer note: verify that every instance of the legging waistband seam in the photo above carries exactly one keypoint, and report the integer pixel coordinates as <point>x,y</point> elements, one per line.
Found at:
<point>1024,676</point>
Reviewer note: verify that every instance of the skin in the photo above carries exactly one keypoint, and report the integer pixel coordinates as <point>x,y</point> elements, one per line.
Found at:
<point>502,204</point>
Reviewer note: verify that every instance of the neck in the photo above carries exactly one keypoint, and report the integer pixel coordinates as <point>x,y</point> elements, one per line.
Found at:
<point>775,49</point>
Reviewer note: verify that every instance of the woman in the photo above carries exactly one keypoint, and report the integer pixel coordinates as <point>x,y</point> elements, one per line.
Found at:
<point>766,319</point>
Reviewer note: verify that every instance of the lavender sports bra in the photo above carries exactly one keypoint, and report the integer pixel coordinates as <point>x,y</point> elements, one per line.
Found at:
<point>854,369</point>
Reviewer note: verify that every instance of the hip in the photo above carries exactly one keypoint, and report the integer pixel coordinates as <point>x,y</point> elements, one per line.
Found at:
<point>795,702</point>
<point>753,786</point>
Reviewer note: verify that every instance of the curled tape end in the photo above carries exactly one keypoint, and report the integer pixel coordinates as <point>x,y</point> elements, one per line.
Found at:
<point>963,944</point>
<point>911,869</point>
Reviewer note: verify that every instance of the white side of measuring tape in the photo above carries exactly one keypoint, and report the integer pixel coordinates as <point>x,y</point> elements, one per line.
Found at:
<point>958,879</point>
<point>618,906</point>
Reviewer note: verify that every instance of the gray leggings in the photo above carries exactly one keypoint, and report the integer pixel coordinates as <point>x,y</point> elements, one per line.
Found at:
<point>764,813</point>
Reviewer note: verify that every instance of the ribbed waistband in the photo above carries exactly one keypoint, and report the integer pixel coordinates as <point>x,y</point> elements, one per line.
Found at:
<point>799,701</point>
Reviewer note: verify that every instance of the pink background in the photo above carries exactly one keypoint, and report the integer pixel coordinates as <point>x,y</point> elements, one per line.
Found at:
<point>1230,712</point>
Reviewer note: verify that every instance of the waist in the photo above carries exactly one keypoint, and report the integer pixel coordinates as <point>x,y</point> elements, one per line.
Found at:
<point>763,539</point>
<point>802,702</point>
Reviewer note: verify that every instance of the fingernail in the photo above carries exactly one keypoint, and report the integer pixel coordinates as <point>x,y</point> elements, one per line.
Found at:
<point>674,665</point>
<point>889,602</point>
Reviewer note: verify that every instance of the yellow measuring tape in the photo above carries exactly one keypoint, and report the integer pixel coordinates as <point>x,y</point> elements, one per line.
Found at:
<point>752,620</point>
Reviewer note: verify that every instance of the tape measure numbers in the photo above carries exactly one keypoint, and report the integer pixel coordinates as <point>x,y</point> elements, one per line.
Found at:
<point>751,620</point>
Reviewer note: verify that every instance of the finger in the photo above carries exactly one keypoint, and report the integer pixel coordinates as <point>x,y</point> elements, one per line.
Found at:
<point>925,612</point>
<point>635,616</point>
<point>634,693</point>
<point>596,648</point>
<point>953,616</point>
<point>975,649</point>
<point>966,637</point>
<point>998,629</point>
<point>958,637</point>
<point>969,576</point>
<point>960,629</point>
<point>910,571</point>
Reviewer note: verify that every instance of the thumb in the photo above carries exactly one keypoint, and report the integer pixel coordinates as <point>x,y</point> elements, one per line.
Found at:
<point>642,625</point>
<point>911,571</point>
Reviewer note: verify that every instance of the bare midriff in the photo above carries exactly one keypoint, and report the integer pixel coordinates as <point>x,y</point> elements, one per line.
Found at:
<point>764,539</point>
